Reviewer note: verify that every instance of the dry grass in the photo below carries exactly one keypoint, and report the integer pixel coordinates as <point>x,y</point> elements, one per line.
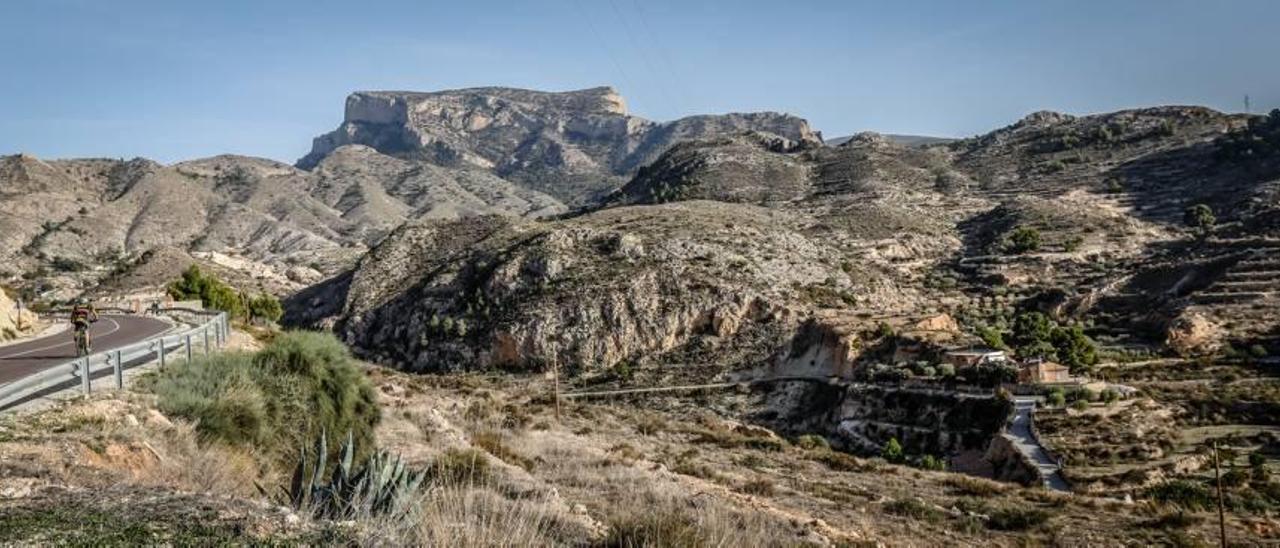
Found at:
<point>592,479</point>
<point>474,516</point>
<point>491,441</point>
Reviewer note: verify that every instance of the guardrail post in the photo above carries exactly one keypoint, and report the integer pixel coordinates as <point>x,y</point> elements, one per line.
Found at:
<point>206,339</point>
<point>84,374</point>
<point>119,369</point>
<point>188,345</point>
<point>160,351</point>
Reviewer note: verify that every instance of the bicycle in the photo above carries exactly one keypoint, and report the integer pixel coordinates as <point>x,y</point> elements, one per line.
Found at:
<point>82,341</point>
<point>81,337</point>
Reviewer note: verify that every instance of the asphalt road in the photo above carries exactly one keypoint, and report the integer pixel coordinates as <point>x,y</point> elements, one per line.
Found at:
<point>20,360</point>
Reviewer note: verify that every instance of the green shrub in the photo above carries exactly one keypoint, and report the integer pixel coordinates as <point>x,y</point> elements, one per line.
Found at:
<point>991,337</point>
<point>1073,348</point>
<point>1057,398</point>
<point>1016,519</point>
<point>1110,396</point>
<point>63,264</point>
<point>1080,405</point>
<point>277,400</point>
<point>265,307</point>
<point>893,452</point>
<point>1199,217</point>
<point>1235,478</point>
<point>195,284</point>
<point>930,462</point>
<point>1184,494</point>
<point>1257,460</point>
<point>1023,239</point>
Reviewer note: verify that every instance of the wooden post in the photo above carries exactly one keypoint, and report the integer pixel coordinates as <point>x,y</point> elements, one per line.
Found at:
<point>1217,478</point>
<point>555,379</point>
<point>160,351</point>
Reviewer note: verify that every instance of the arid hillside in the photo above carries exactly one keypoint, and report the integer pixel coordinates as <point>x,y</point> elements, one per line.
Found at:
<point>1086,219</point>
<point>68,225</point>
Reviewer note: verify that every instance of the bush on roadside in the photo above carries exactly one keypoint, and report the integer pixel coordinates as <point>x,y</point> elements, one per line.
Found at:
<point>277,400</point>
<point>265,307</point>
<point>195,284</point>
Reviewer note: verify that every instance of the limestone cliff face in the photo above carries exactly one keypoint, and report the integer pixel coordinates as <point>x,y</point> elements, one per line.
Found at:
<point>572,145</point>
<point>617,284</point>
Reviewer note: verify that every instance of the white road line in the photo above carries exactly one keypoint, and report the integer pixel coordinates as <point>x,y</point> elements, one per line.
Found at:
<point>66,343</point>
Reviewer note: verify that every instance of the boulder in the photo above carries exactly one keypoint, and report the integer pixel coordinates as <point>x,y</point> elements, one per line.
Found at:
<point>1194,335</point>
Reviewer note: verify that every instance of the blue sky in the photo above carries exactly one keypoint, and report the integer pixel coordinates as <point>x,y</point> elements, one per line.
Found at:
<point>176,79</point>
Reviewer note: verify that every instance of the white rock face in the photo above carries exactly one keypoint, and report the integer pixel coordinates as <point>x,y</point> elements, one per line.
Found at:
<point>572,145</point>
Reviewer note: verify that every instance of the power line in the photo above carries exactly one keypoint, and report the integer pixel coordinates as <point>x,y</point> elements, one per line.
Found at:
<point>662,54</point>
<point>644,57</point>
<point>600,40</point>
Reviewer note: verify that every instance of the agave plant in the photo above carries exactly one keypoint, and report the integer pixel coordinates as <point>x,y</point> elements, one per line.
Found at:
<point>382,484</point>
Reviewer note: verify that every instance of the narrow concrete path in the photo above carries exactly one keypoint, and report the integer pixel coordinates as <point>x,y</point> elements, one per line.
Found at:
<point>1026,444</point>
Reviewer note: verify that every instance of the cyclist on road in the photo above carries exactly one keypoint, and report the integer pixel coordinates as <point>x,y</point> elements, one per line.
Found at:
<point>82,315</point>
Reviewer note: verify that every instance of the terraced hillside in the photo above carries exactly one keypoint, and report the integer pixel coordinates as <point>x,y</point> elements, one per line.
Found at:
<point>1083,218</point>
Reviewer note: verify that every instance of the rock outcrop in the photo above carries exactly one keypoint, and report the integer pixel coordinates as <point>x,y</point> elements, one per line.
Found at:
<point>590,291</point>
<point>573,145</point>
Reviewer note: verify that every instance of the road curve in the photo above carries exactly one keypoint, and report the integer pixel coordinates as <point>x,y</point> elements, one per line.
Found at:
<point>111,331</point>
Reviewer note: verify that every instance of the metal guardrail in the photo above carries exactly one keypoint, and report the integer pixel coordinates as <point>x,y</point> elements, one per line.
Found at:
<point>212,331</point>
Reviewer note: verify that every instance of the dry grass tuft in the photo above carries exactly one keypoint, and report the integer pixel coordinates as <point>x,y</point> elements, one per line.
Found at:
<point>759,486</point>
<point>491,441</point>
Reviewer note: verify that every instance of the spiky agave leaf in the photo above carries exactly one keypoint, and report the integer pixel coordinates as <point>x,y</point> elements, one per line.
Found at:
<point>322,450</point>
<point>297,495</point>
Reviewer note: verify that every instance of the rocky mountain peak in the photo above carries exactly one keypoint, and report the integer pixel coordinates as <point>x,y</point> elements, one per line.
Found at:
<point>574,145</point>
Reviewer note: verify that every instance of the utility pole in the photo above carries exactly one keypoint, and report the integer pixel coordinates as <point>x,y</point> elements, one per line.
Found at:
<point>1217,478</point>
<point>555,379</point>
